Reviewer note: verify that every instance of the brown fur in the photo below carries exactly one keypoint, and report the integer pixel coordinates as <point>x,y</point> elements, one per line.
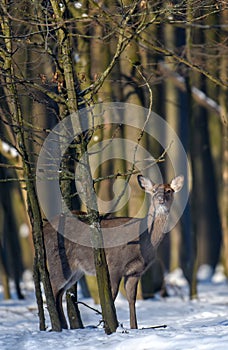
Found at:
<point>68,260</point>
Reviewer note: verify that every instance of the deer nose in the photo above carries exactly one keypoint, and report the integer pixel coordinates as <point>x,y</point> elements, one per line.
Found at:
<point>161,199</point>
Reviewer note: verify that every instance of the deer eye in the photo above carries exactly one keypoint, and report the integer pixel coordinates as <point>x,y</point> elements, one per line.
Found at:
<point>169,190</point>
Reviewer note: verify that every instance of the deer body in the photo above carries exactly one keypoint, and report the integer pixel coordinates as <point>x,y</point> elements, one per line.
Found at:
<point>130,260</point>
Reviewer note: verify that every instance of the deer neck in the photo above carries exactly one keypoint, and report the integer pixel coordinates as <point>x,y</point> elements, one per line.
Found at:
<point>156,221</point>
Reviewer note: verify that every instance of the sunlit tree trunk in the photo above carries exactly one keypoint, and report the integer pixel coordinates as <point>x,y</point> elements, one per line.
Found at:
<point>152,280</point>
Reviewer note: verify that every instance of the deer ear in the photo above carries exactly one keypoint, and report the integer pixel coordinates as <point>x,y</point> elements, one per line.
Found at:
<point>177,183</point>
<point>145,183</point>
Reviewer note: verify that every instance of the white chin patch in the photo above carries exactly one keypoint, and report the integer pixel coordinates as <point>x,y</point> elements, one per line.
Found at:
<point>162,209</point>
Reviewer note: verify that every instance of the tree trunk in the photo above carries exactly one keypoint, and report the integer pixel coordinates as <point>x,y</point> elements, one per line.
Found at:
<point>107,303</point>
<point>34,210</point>
<point>224,130</point>
<point>188,254</point>
<point>205,199</point>
<point>72,308</point>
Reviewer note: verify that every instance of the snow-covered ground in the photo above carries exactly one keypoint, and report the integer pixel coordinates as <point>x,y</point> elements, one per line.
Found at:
<point>200,324</point>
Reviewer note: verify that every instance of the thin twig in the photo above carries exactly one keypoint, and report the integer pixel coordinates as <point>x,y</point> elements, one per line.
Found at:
<point>10,166</point>
<point>132,171</point>
<point>183,60</point>
<point>89,307</point>
<point>155,327</point>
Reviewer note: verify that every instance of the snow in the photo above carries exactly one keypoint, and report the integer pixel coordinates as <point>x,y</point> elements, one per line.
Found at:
<point>199,324</point>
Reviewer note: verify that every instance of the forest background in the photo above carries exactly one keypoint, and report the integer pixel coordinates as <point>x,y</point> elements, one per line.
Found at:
<point>57,57</point>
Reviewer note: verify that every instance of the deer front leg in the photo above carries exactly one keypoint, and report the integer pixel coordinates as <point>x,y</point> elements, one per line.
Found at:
<point>130,284</point>
<point>115,283</point>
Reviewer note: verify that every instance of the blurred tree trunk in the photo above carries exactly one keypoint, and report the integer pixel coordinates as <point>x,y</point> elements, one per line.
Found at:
<point>131,93</point>
<point>4,276</point>
<point>224,187</point>
<point>205,199</point>
<point>10,239</point>
<point>188,244</point>
<point>206,214</point>
<point>182,249</point>
<point>172,117</point>
<point>224,120</point>
<point>101,53</point>
<point>10,248</point>
<point>3,269</point>
<point>152,280</point>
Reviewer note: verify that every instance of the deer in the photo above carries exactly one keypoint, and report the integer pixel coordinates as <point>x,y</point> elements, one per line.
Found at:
<point>128,260</point>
